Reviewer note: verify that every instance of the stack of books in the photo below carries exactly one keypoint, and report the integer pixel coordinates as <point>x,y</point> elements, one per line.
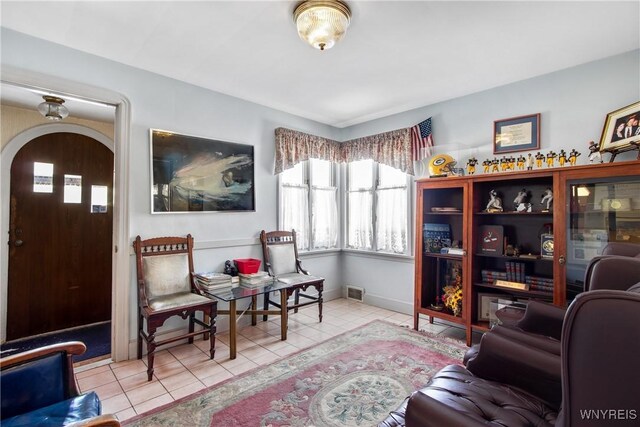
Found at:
<point>515,271</point>
<point>490,276</point>
<point>255,279</point>
<point>540,284</point>
<point>213,280</point>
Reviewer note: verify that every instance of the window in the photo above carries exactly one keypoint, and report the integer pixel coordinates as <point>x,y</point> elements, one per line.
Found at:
<point>377,208</point>
<point>72,188</point>
<point>42,177</point>
<point>99,198</point>
<point>308,204</point>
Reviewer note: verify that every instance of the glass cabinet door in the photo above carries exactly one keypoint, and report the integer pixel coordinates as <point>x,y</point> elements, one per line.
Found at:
<point>599,211</point>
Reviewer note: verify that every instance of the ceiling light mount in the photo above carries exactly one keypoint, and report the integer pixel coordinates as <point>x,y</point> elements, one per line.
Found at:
<point>322,23</point>
<point>52,108</point>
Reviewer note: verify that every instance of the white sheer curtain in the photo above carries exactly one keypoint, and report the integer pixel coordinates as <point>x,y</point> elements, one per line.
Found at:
<point>360,220</point>
<point>296,215</point>
<point>324,221</point>
<point>391,220</point>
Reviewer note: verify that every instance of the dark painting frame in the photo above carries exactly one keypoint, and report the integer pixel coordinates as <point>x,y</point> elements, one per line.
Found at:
<point>195,174</point>
<point>524,129</point>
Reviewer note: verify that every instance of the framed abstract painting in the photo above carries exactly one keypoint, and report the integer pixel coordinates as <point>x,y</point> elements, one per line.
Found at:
<point>195,174</point>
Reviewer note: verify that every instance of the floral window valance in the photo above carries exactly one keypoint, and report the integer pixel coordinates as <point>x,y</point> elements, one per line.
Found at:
<point>293,147</point>
<point>389,148</point>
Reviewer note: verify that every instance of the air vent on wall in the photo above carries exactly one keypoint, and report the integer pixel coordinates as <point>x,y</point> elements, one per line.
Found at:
<point>355,293</point>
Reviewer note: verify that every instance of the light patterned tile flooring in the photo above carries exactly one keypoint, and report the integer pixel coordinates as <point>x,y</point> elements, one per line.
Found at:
<point>185,369</point>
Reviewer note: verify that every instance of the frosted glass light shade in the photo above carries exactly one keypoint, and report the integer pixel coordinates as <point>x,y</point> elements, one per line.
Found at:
<point>53,109</point>
<point>322,23</point>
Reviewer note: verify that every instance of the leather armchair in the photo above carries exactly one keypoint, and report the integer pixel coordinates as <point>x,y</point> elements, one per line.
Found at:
<point>541,324</point>
<point>38,387</point>
<point>513,384</point>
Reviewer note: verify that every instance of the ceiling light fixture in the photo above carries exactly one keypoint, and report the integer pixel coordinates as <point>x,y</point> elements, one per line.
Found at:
<point>322,23</point>
<point>52,108</point>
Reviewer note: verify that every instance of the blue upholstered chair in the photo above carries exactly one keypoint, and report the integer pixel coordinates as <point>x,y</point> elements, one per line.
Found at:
<point>38,388</point>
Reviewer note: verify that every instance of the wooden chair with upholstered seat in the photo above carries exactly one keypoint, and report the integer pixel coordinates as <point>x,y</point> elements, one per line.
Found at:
<point>281,261</point>
<point>165,289</point>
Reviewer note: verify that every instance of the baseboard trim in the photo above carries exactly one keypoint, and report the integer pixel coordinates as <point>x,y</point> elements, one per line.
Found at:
<point>388,303</point>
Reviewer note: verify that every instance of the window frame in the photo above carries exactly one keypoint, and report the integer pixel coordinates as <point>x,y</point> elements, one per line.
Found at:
<point>307,173</point>
<point>374,205</point>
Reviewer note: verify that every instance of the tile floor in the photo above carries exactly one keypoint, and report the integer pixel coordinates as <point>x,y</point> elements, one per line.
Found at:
<point>182,370</point>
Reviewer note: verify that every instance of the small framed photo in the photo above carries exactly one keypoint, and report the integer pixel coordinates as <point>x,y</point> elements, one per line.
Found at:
<point>484,306</point>
<point>621,129</point>
<point>516,134</point>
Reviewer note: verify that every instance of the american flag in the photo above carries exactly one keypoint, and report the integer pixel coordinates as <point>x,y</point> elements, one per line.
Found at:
<point>421,140</point>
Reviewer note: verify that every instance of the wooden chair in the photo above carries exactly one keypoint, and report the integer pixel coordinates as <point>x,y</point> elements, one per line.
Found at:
<point>166,288</point>
<point>38,387</point>
<point>281,261</point>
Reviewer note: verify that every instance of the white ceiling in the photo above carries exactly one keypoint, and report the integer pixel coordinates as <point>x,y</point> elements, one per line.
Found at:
<point>396,55</point>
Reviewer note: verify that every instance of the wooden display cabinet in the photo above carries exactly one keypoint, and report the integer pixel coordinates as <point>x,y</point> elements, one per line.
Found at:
<point>592,205</point>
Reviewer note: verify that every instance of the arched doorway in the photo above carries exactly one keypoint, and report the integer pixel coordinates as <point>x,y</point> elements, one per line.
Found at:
<point>60,234</point>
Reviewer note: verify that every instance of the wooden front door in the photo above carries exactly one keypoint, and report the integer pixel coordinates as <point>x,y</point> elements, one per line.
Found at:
<point>60,235</point>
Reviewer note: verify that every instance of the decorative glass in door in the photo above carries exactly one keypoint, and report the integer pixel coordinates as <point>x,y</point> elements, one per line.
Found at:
<point>599,211</point>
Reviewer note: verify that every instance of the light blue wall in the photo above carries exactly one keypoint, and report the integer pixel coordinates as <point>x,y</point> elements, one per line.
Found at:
<point>164,103</point>
<point>573,104</point>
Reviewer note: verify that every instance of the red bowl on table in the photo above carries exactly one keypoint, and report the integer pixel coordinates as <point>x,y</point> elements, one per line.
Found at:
<point>247,265</point>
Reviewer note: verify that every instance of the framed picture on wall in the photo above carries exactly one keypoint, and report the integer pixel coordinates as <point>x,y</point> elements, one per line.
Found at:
<point>621,129</point>
<point>516,134</point>
<point>195,174</point>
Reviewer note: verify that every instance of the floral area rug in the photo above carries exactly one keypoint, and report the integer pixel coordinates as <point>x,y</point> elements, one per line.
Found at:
<point>353,379</point>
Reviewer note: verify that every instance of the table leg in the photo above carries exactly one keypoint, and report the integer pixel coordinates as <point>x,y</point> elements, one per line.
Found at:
<point>283,314</point>
<point>254,305</point>
<point>232,329</point>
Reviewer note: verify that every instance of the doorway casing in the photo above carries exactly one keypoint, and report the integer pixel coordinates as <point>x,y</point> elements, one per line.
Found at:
<point>120,305</point>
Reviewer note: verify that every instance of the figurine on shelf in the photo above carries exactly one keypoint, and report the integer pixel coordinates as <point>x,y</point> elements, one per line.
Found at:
<point>539,159</point>
<point>494,165</point>
<point>547,198</point>
<point>521,161</point>
<point>520,198</point>
<point>573,157</point>
<point>530,162</point>
<point>562,157</point>
<point>486,165</point>
<point>495,202</point>
<point>504,164</point>
<point>471,165</point>
<point>512,163</point>
<point>594,152</point>
<point>551,158</point>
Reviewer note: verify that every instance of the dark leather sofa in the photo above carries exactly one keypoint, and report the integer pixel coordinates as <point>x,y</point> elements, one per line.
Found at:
<point>508,383</point>
<point>38,388</point>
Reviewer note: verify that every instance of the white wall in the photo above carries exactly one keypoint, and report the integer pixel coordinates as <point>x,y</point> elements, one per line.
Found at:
<point>164,103</point>
<point>573,104</point>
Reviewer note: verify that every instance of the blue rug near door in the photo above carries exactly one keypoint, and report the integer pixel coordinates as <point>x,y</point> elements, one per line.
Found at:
<point>96,337</point>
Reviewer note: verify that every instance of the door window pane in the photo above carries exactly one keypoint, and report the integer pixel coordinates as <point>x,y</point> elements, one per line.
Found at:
<point>72,188</point>
<point>99,199</point>
<point>42,177</point>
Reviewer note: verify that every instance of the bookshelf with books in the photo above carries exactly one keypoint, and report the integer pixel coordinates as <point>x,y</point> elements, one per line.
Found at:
<point>518,247</point>
<point>440,250</point>
<point>506,260</point>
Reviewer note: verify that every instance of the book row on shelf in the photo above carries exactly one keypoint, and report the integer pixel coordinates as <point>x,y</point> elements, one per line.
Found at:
<point>504,278</point>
